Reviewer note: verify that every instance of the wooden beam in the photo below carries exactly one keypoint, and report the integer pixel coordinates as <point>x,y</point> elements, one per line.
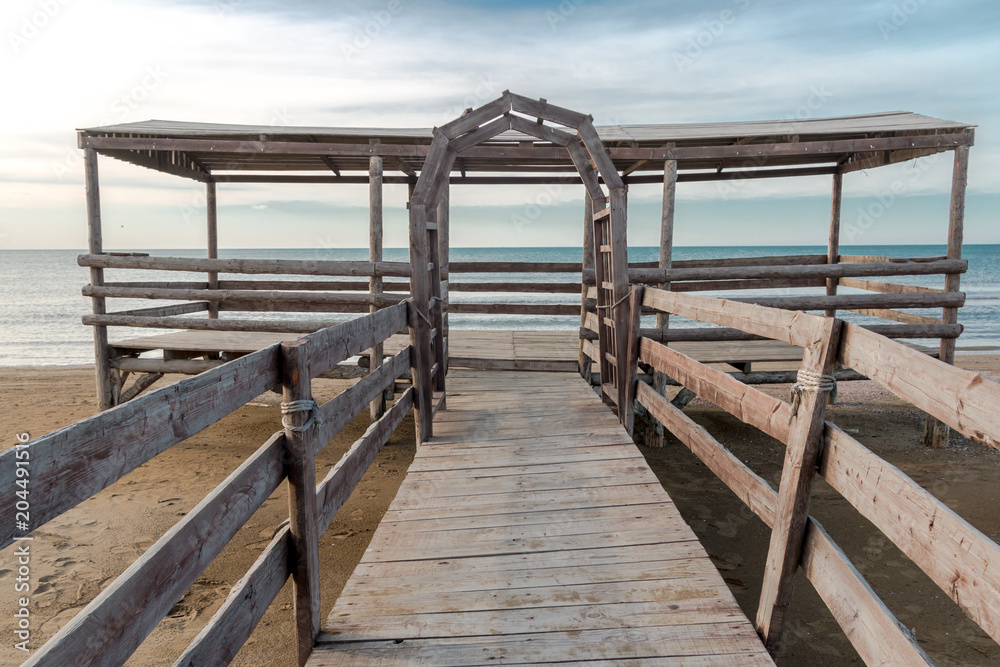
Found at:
<point>230,627</point>
<point>841,270</point>
<point>249,266</point>
<point>833,247</point>
<point>128,609</point>
<point>375,227</point>
<point>213,244</point>
<point>106,386</point>
<point>588,262</point>
<point>300,444</point>
<point>943,140</point>
<point>936,432</point>
<point>665,261</point>
<point>805,438</point>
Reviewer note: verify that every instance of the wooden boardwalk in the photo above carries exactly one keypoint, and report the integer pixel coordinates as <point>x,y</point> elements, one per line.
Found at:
<point>531,530</point>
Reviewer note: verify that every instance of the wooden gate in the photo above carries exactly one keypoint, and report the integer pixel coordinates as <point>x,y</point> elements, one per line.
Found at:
<point>592,161</point>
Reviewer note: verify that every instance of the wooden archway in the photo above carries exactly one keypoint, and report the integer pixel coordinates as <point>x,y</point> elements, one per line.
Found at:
<point>592,161</point>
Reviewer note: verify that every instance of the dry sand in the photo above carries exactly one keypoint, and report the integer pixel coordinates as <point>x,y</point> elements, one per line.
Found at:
<point>80,552</point>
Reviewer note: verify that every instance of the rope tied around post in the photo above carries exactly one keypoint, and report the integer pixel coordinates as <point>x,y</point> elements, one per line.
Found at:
<point>808,381</point>
<point>617,303</point>
<point>308,405</point>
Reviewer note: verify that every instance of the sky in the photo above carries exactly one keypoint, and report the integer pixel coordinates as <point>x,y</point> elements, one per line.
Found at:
<point>67,64</point>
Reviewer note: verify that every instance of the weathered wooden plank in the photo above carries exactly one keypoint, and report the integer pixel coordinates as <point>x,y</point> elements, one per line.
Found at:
<point>254,296</point>
<point>805,439</point>
<point>962,399</point>
<point>301,443</point>
<point>331,346</point>
<point>338,484</point>
<point>923,527</point>
<point>874,632</point>
<point>844,270</point>
<point>674,642</point>
<point>71,464</point>
<point>113,625</point>
<point>791,327</point>
<point>887,288</point>
<point>339,411</point>
<point>755,493</point>
<point>230,627</point>
<point>251,266</point>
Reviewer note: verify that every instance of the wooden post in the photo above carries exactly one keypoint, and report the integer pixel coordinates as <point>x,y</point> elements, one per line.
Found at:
<point>666,259</point>
<point>588,263</point>
<point>420,327</point>
<point>108,387</point>
<point>213,244</point>
<point>936,432</point>
<point>620,312</point>
<point>833,249</point>
<point>444,246</point>
<point>377,408</point>
<point>805,438</point>
<point>435,305</point>
<point>634,338</point>
<point>300,432</point>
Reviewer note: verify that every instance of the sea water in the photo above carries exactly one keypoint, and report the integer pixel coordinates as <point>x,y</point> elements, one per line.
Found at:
<point>41,305</point>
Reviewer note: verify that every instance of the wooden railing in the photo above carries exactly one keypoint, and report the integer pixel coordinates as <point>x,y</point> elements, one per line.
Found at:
<point>75,462</point>
<point>884,302</point>
<point>923,527</point>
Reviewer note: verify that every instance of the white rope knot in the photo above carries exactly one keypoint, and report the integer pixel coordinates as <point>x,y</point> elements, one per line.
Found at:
<point>808,381</point>
<point>307,405</point>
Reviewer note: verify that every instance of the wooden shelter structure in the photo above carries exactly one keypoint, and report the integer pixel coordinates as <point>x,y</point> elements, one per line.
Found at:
<point>528,529</point>
<point>514,140</point>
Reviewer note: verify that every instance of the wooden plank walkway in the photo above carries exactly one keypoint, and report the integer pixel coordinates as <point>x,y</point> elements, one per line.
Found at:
<point>531,530</point>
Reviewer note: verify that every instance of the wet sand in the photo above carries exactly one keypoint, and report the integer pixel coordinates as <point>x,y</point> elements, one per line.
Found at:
<point>77,554</point>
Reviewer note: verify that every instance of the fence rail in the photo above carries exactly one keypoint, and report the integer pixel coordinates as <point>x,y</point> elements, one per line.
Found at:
<point>923,527</point>
<point>73,463</point>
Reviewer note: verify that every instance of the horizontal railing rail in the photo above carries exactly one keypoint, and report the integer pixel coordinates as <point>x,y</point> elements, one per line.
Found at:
<point>73,463</point>
<point>923,527</point>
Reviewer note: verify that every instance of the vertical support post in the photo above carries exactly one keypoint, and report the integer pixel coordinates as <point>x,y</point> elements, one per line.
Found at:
<point>435,305</point>
<point>620,312</point>
<point>936,432</point>
<point>301,469</point>
<point>377,407</point>
<point>666,261</point>
<point>420,327</point>
<point>213,244</point>
<point>107,386</point>
<point>634,338</point>
<point>805,438</point>
<point>444,246</point>
<point>833,248</point>
<point>587,263</point>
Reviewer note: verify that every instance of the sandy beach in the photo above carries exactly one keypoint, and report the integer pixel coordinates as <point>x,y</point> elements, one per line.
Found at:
<point>80,552</point>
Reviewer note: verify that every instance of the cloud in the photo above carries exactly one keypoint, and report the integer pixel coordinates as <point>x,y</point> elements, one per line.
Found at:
<point>404,63</point>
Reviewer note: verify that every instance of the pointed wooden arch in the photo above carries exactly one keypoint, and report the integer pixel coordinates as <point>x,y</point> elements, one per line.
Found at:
<point>593,163</point>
